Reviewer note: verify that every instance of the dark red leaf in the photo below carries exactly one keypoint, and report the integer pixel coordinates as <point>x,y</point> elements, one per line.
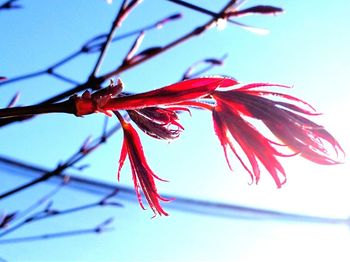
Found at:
<point>259,9</point>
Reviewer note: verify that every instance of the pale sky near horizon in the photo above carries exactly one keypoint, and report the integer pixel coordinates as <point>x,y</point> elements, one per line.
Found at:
<point>307,48</point>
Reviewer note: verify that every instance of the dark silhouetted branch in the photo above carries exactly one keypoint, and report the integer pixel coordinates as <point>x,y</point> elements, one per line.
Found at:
<point>75,158</point>
<point>101,228</point>
<point>124,11</point>
<point>49,212</point>
<point>185,204</point>
<point>11,4</point>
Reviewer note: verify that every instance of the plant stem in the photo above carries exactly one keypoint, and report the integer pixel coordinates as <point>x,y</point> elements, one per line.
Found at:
<point>123,12</point>
<point>76,157</point>
<point>67,106</point>
<point>95,82</point>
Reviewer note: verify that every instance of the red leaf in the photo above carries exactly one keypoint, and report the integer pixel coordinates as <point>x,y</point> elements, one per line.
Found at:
<point>143,176</point>
<point>170,95</point>
<point>284,119</point>
<point>254,145</point>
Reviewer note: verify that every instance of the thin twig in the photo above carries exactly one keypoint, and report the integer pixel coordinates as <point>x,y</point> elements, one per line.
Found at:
<point>63,78</point>
<point>49,213</point>
<point>197,8</point>
<point>10,4</point>
<point>67,106</point>
<point>90,47</point>
<point>185,204</point>
<point>41,201</point>
<point>209,62</point>
<point>123,12</point>
<point>23,77</point>
<point>75,158</point>
<point>56,235</point>
<point>205,11</point>
<point>134,48</point>
<point>94,83</point>
<point>196,32</point>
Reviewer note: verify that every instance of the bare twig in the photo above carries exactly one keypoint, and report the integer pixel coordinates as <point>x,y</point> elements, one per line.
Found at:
<point>198,8</point>
<point>67,106</point>
<point>63,78</point>
<point>184,204</point>
<point>44,199</point>
<point>14,100</point>
<point>124,11</point>
<point>196,32</point>
<point>95,82</point>
<point>91,46</point>
<point>227,16</point>
<point>100,228</point>
<point>11,4</point>
<point>209,62</point>
<point>134,48</point>
<point>75,158</point>
<point>48,212</point>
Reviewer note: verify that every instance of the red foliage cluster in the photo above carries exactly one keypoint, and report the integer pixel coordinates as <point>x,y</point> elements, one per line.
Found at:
<point>231,105</point>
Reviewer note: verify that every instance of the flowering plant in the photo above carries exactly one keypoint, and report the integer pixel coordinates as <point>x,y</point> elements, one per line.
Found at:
<point>231,105</point>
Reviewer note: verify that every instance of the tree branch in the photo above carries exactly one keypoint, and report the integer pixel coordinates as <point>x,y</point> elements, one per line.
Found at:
<point>80,154</point>
<point>122,14</point>
<point>67,106</point>
<point>94,83</point>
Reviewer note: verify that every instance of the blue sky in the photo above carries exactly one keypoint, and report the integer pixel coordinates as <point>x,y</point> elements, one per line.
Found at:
<point>306,48</point>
